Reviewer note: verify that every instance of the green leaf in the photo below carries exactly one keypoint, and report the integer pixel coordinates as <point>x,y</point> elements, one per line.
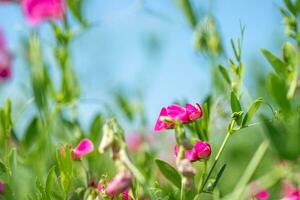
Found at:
<point>76,7</point>
<point>95,128</point>
<point>290,6</point>
<point>252,110</point>
<point>235,103</point>
<point>169,172</point>
<point>214,184</point>
<point>224,74</point>
<point>50,181</point>
<point>276,63</point>
<point>187,10</point>
<point>278,90</point>
<point>31,133</point>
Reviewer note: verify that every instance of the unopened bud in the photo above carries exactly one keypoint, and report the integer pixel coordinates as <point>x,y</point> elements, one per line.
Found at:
<point>186,168</point>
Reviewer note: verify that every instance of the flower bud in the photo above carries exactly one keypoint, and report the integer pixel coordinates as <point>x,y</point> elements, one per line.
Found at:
<point>111,131</point>
<point>119,183</point>
<point>84,147</point>
<point>186,168</point>
<point>200,150</point>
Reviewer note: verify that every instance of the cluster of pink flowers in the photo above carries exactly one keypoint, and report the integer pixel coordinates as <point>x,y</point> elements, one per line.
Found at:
<point>175,112</point>
<point>200,150</point>
<point>118,184</point>
<point>5,59</point>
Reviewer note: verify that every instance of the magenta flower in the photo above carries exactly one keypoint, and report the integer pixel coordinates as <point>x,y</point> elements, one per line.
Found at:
<point>289,191</point>
<point>175,112</point>
<point>119,183</point>
<point>262,194</point>
<point>2,187</point>
<point>200,151</point>
<point>37,11</point>
<point>84,147</point>
<point>5,59</point>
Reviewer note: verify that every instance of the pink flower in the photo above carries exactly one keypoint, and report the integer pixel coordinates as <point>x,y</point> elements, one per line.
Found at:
<point>5,59</point>
<point>119,183</point>
<point>2,187</point>
<point>125,195</point>
<point>37,11</point>
<point>175,112</point>
<point>84,147</point>
<point>262,194</point>
<point>289,191</point>
<point>200,151</point>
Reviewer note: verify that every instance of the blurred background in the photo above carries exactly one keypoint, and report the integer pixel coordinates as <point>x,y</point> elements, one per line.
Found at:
<point>145,48</point>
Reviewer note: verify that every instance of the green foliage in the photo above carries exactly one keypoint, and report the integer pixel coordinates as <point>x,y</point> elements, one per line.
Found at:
<point>169,172</point>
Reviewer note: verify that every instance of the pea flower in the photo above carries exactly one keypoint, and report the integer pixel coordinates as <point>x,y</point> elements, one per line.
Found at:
<point>199,151</point>
<point>5,59</point>
<point>262,194</point>
<point>290,192</point>
<point>2,187</point>
<point>37,11</point>
<point>84,147</point>
<point>119,183</point>
<point>186,114</point>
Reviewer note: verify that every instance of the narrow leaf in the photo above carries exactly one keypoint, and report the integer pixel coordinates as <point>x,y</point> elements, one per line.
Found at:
<point>169,172</point>
<point>235,103</point>
<point>224,74</point>
<point>276,63</point>
<point>252,110</point>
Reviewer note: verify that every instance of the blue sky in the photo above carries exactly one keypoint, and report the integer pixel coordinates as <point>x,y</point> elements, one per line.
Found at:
<point>115,52</point>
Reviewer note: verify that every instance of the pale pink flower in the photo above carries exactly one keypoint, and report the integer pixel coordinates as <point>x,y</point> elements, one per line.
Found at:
<point>2,187</point>
<point>135,141</point>
<point>199,151</point>
<point>175,112</point>
<point>84,147</point>
<point>119,183</point>
<point>37,11</point>
<point>5,59</point>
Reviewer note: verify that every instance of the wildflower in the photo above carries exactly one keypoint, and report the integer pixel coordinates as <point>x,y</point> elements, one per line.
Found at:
<point>135,141</point>
<point>200,150</point>
<point>84,147</point>
<point>2,187</point>
<point>262,194</point>
<point>37,11</point>
<point>289,191</point>
<point>168,115</point>
<point>119,183</point>
<point>5,59</point>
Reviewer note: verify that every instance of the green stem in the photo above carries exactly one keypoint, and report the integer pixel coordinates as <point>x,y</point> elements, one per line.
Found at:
<point>182,194</point>
<point>216,160</point>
